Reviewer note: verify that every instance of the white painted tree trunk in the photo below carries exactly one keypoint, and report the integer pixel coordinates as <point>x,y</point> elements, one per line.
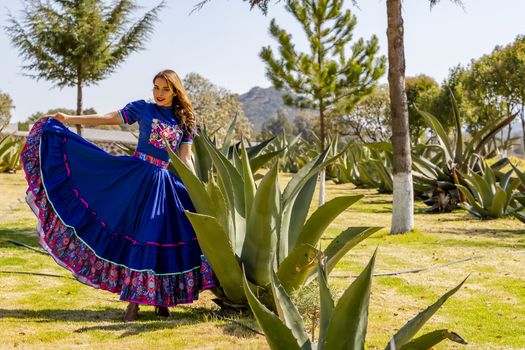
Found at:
<point>322,178</point>
<point>403,206</point>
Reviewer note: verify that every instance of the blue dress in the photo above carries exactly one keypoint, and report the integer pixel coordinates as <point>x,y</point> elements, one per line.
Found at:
<point>117,222</point>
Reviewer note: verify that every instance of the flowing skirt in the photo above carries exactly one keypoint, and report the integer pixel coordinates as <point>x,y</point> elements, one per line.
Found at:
<point>116,222</point>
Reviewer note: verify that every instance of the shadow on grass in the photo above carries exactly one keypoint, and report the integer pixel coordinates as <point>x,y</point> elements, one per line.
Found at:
<point>486,232</point>
<point>20,235</point>
<point>238,331</point>
<point>148,321</point>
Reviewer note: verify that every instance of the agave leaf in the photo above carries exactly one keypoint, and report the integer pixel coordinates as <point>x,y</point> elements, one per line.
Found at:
<point>196,190</point>
<point>261,231</point>
<point>519,216</point>
<point>303,175</point>
<point>297,266</point>
<point>458,156</point>
<point>291,193</point>
<point>480,139</point>
<point>345,241</point>
<point>483,187</point>
<point>350,316</point>
<point>220,208</point>
<point>424,166</point>
<point>249,182</point>
<point>257,162</point>
<point>297,215</point>
<point>326,303</point>
<point>236,160</point>
<point>428,340</point>
<point>510,191</point>
<point>521,175</point>
<point>202,160</point>
<point>232,180</point>
<point>288,312</point>
<point>217,248</point>
<point>500,164</point>
<point>472,206</point>
<point>490,178</point>
<point>409,330</point>
<point>497,208</point>
<point>277,334</point>
<point>228,137</point>
<point>255,150</point>
<point>504,179</point>
<point>321,218</point>
<point>387,182</point>
<point>441,134</point>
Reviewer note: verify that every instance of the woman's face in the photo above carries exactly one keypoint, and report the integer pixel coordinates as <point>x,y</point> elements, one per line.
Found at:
<point>162,93</point>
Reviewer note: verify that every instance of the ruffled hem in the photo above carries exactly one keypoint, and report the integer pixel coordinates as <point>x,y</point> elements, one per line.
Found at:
<point>71,252</point>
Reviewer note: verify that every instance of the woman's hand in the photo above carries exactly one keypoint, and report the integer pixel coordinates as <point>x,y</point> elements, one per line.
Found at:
<point>61,117</point>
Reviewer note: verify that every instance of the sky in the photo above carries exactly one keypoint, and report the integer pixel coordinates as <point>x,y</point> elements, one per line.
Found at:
<point>222,42</point>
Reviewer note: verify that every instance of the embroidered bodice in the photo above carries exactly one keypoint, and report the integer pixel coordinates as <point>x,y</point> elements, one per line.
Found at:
<point>154,123</point>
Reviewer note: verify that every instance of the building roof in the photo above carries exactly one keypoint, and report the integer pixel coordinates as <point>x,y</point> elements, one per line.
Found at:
<point>94,135</point>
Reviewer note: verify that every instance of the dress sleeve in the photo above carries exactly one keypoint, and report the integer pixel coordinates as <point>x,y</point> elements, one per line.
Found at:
<point>132,111</point>
<point>187,135</point>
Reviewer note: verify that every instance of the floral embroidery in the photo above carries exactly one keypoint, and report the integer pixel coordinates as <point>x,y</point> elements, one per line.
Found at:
<point>172,134</point>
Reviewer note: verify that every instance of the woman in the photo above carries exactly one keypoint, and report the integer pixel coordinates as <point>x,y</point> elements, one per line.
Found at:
<point>117,222</point>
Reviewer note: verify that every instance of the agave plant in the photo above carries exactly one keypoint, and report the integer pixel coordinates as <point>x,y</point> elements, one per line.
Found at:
<point>486,196</point>
<point>341,326</point>
<point>456,155</point>
<point>347,170</point>
<point>10,149</point>
<point>297,152</point>
<point>261,228</point>
<point>519,196</point>
<point>203,162</point>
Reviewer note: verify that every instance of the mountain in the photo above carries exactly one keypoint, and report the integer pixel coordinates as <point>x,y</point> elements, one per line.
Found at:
<point>260,104</point>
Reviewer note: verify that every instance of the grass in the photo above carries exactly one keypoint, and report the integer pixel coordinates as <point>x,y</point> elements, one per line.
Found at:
<point>43,307</point>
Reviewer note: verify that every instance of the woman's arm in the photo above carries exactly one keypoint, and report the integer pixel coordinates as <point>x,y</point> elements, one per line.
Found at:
<point>184,154</point>
<point>112,118</point>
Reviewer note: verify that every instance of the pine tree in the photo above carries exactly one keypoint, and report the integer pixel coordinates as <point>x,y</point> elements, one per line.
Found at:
<point>334,76</point>
<point>78,42</point>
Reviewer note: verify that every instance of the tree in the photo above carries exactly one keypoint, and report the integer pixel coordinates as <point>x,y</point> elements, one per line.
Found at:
<point>277,125</point>
<point>512,60</point>
<point>78,42</point>
<point>370,120</point>
<point>421,92</point>
<point>403,204</point>
<point>304,125</point>
<point>215,107</point>
<point>6,105</point>
<point>440,106</point>
<point>329,79</point>
<point>37,115</point>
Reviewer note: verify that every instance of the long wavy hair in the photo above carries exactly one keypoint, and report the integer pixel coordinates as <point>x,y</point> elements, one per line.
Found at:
<point>181,103</point>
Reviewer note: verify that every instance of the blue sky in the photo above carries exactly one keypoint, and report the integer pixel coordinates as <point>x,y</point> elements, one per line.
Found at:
<point>222,42</point>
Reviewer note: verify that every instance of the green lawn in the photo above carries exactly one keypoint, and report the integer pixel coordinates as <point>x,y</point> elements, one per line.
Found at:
<point>43,307</point>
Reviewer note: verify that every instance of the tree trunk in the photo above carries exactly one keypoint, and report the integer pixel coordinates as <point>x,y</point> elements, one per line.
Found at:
<point>322,174</point>
<point>79,99</point>
<point>523,125</point>
<point>403,204</point>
